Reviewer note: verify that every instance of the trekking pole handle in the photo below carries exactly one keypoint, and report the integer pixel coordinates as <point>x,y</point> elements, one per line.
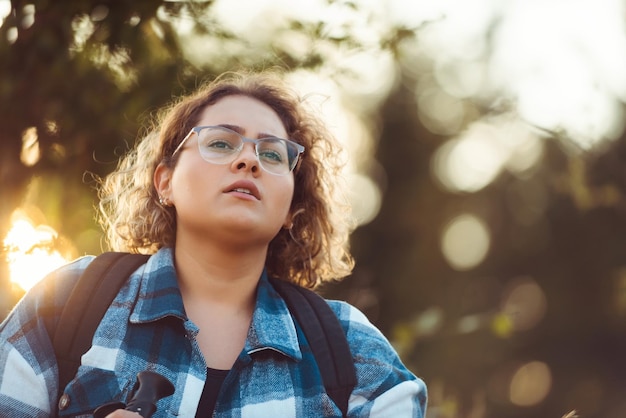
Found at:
<point>151,387</point>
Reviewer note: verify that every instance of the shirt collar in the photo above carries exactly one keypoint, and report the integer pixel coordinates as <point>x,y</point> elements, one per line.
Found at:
<point>272,324</point>
<point>159,296</point>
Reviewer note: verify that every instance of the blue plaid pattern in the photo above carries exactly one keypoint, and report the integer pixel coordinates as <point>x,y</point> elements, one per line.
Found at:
<point>146,328</point>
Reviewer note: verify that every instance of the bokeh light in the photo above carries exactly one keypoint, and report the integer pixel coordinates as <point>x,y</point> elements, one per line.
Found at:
<point>524,303</point>
<point>365,198</point>
<point>524,384</point>
<point>465,242</point>
<point>530,384</point>
<point>439,112</point>
<point>30,147</point>
<point>473,159</point>
<point>468,164</point>
<point>5,9</point>
<point>429,322</point>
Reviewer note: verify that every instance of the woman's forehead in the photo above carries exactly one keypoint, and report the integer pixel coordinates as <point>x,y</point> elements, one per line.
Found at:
<point>246,112</point>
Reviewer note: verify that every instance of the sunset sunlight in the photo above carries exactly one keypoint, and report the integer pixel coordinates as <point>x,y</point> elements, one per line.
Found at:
<point>30,251</point>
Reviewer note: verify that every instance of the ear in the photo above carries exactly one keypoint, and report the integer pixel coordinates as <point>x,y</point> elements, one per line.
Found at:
<point>163,181</point>
<point>288,224</point>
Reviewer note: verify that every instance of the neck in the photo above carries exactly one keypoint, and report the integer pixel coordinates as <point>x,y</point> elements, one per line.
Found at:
<point>218,274</point>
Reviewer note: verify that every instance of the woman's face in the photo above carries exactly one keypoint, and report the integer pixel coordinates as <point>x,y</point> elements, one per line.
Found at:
<point>235,203</point>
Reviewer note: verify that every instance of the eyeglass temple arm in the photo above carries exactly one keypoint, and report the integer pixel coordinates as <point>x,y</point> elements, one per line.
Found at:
<point>183,141</point>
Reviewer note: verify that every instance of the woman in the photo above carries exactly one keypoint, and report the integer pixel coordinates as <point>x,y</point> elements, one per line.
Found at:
<point>235,184</point>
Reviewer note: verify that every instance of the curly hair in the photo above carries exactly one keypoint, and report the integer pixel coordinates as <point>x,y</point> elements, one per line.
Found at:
<point>314,250</point>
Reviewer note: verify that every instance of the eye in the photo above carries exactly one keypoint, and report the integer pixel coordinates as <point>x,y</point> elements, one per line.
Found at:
<point>273,150</point>
<point>217,141</point>
<point>271,156</point>
<point>219,144</point>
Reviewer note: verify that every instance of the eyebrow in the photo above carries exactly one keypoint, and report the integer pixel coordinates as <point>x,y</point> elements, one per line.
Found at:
<point>241,131</point>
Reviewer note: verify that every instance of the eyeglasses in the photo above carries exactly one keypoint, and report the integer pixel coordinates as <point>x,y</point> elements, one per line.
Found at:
<point>220,145</point>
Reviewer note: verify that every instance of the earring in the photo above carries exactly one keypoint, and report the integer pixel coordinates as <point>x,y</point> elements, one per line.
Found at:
<point>164,201</point>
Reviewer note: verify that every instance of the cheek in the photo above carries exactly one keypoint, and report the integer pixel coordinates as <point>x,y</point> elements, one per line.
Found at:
<point>182,184</point>
<point>192,179</point>
<point>283,202</point>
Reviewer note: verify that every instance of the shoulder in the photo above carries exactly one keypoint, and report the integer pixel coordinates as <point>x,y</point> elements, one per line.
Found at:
<point>354,322</point>
<point>368,344</point>
<point>52,290</point>
<point>386,387</point>
<point>26,353</point>
<point>62,279</point>
<point>43,302</point>
<point>56,286</point>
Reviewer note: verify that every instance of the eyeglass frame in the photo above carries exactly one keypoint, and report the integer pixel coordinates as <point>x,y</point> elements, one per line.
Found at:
<point>197,129</point>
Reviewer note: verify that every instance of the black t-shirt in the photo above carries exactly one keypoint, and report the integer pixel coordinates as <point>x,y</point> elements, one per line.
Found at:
<point>212,386</point>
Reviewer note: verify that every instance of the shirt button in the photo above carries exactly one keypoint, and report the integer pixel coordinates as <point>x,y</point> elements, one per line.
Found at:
<point>64,402</point>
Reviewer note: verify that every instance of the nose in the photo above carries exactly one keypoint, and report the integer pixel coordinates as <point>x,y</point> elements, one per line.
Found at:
<point>247,159</point>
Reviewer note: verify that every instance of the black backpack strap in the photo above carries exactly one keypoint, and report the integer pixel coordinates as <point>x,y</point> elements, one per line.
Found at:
<point>86,305</point>
<point>327,339</point>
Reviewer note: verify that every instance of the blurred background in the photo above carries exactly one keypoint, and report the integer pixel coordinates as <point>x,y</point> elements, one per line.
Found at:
<point>486,160</point>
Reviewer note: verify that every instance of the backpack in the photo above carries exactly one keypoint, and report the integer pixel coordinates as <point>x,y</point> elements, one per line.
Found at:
<point>104,276</point>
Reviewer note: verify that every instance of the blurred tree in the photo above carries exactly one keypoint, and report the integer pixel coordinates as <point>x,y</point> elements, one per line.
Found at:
<point>461,333</point>
<point>76,77</point>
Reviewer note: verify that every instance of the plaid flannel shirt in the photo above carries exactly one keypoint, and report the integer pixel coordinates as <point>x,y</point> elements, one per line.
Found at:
<point>146,327</point>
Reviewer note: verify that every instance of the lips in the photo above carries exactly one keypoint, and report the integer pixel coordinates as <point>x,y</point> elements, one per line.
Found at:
<point>244,186</point>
